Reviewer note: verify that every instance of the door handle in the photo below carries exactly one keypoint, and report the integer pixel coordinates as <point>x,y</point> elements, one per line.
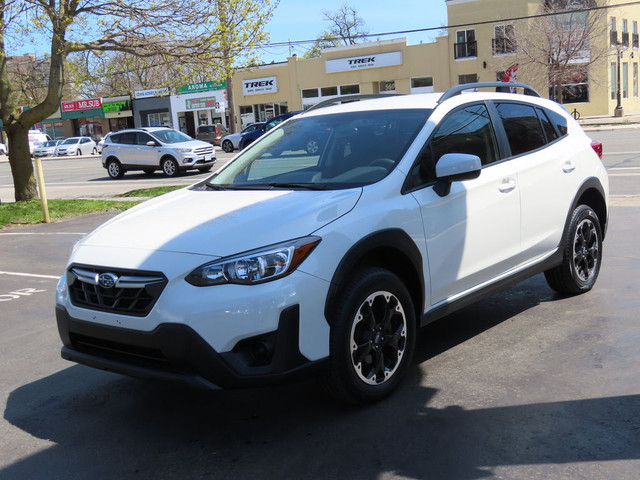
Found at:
<point>568,166</point>
<point>507,185</point>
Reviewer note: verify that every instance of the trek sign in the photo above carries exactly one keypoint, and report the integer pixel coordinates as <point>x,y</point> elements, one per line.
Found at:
<point>377,60</point>
<point>256,86</point>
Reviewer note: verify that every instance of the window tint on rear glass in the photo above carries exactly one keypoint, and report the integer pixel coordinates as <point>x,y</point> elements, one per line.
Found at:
<point>548,128</point>
<point>522,127</point>
<point>559,121</point>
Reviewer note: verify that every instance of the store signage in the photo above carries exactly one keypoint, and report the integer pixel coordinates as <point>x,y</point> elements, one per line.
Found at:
<point>73,105</point>
<point>202,103</point>
<point>256,86</point>
<point>153,92</point>
<point>113,107</point>
<point>201,87</point>
<point>362,62</point>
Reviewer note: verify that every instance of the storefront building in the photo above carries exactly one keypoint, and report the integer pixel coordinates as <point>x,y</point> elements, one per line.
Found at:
<point>118,113</point>
<point>198,104</point>
<point>152,108</point>
<point>485,49</point>
<point>83,118</point>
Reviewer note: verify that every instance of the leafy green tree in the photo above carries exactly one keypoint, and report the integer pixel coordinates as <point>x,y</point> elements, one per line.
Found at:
<point>191,35</point>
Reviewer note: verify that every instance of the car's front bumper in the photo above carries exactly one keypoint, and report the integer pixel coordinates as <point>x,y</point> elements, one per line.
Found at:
<point>175,352</point>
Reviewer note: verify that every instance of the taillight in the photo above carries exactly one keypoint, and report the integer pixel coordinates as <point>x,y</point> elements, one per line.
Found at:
<point>597,147</point>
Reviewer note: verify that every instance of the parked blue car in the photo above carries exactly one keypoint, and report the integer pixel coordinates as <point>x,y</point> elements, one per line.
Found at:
<point>249,137</point>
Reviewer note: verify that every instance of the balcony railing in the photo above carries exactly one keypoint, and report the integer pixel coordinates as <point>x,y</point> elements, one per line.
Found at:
<point>501,46</point>
<point>613,37</point>
<point>466,49</point>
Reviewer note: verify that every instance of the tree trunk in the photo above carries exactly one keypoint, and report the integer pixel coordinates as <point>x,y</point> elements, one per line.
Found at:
<point>233,128</point>
<point>20,160</point>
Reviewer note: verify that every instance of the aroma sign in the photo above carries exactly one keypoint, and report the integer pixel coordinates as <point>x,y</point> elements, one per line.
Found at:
<point>81,104</point>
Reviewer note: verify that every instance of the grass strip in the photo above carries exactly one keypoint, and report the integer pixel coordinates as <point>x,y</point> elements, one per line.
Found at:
<point>152,192</point>
<point>29,213</point>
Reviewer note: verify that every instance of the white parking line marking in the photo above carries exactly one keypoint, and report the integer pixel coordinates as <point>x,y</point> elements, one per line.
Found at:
<point>42,233</point>
<point>32,275</point>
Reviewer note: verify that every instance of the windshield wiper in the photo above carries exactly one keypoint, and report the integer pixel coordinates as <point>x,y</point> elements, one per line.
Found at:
<point>300,186</point>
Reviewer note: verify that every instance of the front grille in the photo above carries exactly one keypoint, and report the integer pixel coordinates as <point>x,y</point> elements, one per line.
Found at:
<point>132,293</point>
<point>204,150</point>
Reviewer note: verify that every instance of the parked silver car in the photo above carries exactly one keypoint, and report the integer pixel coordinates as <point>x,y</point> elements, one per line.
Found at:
<point>231,142</point>
<point>155,148</point>
<point>46,149</point>
<point>77,146</point>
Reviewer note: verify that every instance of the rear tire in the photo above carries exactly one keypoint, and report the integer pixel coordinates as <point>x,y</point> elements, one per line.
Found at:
<point>170,167</point>
<point>373,333</point>
<point>227,146</point>
<point>114,169</point>
<point>582,255</point>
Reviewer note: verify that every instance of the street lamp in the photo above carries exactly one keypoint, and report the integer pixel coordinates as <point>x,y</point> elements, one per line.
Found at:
<point>620,48</point>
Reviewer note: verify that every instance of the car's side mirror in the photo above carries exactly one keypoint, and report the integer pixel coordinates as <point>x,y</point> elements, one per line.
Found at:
<point>455,167</point>
<point>151,143</point>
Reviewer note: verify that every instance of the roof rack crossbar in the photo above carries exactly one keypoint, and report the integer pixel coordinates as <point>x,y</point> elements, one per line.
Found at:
<point>349,98</point>
<point>458,89</point>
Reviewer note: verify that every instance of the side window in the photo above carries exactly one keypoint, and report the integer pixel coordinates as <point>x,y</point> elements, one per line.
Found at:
<point>549,131</point>
<point>128,138</point>
<point>143,138</point>
<point>524,131</point>
<point>466,130</point>
<point>559,121</point>
<point>274,123</point>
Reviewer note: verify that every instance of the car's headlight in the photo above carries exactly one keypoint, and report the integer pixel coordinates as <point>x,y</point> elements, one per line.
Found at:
<point>184,150</point>
<point>256,266</point>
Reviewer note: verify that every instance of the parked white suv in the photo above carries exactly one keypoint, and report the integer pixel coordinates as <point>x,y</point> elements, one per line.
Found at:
<point>284,262</point>
<point>155,148</point>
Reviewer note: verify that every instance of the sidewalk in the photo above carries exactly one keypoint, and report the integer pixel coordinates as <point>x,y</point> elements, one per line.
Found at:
<point>606,122</point>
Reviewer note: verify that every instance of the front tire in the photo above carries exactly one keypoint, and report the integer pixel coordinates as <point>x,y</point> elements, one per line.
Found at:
<point>373,332</point>
<point>170,167</point>
<point>114,169</point>
<point>582,254</point>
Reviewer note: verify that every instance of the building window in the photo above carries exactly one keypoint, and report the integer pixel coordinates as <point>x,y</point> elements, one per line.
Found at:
<point>504,40</point>
<point>466,45</point>
<point>310,93</point>
<point>468,78</point>
<point>422,85</point>
<point>388,86</point>
<point>161,119</point>
<point>635,79</point>
<point>613,33</point>
<point>349,89</point>
<point>625,80</point>
<point>634,35</point>
<point>613,81</point>
<point>328,91</point>
<point>625,32</point>
<point>575,89</point>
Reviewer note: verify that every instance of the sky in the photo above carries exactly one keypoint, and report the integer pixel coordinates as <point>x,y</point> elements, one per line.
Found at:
<point>303,20</point>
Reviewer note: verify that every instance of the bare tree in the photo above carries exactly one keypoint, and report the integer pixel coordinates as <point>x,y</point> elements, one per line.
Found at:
<point>187,33</point>
<point>346,28</point>
<point>560,46</point>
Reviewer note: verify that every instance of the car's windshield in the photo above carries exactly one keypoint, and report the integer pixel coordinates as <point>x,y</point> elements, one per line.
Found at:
<point>171,136</point>
<point>50,143</point>
<point>325,152</point>
<point>69,141</point>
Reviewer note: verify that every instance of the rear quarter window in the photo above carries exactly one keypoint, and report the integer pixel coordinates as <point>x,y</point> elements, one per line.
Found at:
<point>522,126</point>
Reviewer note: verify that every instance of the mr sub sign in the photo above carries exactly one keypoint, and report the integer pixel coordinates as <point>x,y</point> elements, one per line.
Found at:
<point>257,86</point>
<point>73,105</point>
<point>362,62</point>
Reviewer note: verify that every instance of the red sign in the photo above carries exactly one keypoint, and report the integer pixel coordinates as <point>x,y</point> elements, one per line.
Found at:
<point>81,104</point>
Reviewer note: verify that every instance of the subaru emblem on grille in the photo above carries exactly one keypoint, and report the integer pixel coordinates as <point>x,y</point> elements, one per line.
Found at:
<point>107,280</point>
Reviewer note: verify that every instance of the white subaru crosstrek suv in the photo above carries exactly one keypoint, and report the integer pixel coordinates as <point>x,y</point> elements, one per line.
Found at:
<point>155,148</point>
<point>285,262</point>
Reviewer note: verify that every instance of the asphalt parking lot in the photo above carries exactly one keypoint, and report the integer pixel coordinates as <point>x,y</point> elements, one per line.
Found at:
<point>525,384</point>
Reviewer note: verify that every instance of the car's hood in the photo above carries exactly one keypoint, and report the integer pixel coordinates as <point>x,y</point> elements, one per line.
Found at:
<point>190,144</point>
<point>222,223</point>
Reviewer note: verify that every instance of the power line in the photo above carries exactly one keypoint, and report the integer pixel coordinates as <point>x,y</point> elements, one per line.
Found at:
<point>461,25</point>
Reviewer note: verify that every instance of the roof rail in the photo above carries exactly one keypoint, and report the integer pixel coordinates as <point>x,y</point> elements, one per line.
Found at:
<point>350,98</point>
<point>499,86</point>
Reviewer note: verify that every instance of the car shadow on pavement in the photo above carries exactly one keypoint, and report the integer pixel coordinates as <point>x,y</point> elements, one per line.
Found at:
<point>96,425</point>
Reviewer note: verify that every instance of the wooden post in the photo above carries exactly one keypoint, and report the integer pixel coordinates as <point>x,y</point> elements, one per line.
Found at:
<point>42,190</point>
